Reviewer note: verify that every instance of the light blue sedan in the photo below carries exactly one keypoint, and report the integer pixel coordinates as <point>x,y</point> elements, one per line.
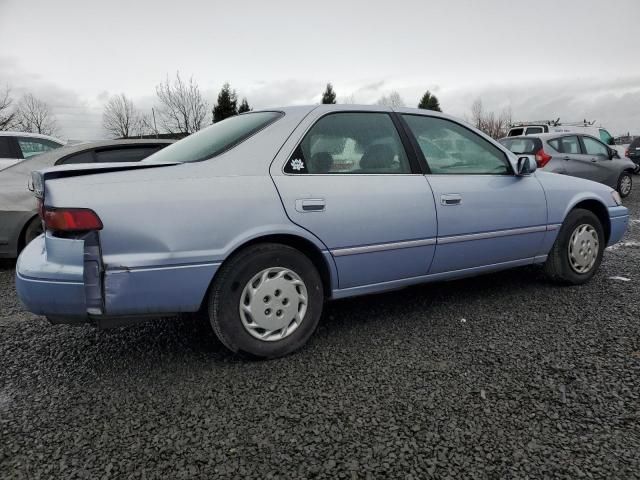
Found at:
<point>259,219</point>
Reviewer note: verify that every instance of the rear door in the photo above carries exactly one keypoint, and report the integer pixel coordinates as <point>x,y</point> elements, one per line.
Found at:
<point>347,177</point>
<point>569,160</point>
<point>486,215</point>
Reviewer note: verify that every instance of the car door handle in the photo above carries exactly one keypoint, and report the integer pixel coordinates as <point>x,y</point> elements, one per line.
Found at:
<point>594,160</point>
<point>304,205</point>
<point>567,157</point>
<point>449,199</point>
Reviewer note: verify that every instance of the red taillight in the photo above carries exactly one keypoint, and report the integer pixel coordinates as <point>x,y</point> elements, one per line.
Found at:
<point>70,219</point>
<point>542,158</point>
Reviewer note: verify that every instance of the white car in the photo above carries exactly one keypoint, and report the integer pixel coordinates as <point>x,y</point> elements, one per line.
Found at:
<point>16,146</point>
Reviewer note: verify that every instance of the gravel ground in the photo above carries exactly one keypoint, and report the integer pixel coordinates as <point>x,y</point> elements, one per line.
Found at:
<point>502,376</point>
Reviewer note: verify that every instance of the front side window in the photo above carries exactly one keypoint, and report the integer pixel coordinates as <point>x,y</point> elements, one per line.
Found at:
<point>35,146</point>
<point>350,143</point>
<point>594,147</point>
<point>216,139</point>
<point>450,148</point>
<point>606,137</point>
<point>568,144</point>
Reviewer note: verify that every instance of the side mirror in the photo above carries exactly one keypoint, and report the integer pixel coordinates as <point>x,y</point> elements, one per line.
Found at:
<point>613,154</point>
<point>526,166</point>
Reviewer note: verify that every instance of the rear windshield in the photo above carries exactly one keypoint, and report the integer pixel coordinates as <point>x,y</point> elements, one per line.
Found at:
<point>527,146</point>
<point>635,143</point>
<point>214,140</point>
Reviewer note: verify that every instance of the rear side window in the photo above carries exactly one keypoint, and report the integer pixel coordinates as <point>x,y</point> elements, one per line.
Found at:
<point>35,146</point>
<point>450,148</point>
<point>534,130</point>
<point>527,146</point>
<point>124,154</point>
<point>216,139</point>
<point>6,151</point>
<point>351,143</point>
<point>566,144</point>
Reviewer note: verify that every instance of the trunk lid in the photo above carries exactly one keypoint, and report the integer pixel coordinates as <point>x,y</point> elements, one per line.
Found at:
<point>39,177</point>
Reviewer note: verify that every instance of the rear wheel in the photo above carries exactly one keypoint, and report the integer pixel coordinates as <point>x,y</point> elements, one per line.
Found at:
<point>577,252</point>
<point>625,184</point>
<point>266,301</point>
<point>33,230</point>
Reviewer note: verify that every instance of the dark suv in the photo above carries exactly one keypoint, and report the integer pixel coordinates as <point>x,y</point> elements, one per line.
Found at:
<point>633,153</point>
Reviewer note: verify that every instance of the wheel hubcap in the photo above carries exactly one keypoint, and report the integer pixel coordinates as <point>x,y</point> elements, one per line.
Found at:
<point>625,185</point>
<point>273,304</point>
<point>583,248</point>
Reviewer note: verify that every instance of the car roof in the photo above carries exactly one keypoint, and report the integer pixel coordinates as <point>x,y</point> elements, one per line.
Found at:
<point>33,135</point>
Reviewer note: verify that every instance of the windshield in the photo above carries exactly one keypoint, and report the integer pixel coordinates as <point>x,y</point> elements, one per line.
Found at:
<point>214,140</point>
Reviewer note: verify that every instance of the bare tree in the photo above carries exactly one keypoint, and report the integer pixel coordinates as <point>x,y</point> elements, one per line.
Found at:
<point>393,100</point>
<point>477,114</point>
<point>120,117</point>
<point>349,100</point>
<point>496,125</point>
<point>34,116</point>
<point>7,114</point>
<point>183,107</point>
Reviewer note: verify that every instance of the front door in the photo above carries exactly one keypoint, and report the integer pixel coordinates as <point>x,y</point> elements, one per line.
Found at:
<point>350,181</point>
<point>486,214</point>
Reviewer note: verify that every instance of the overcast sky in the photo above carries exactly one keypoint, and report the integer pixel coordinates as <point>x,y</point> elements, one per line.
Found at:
<point>571,59</point>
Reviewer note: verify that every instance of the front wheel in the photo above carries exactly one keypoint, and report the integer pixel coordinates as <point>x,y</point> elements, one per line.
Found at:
<point>577,252</point>
<point>625,184</point>
<point>266,301</point>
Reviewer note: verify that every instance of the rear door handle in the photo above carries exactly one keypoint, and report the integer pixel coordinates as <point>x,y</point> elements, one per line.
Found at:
<point>567,157</point>
<point>449,199</point>
<point>304,205</point>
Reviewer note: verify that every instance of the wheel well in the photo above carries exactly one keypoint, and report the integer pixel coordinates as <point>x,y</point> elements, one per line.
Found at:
<point>21,243</point>
<point>600,211</point>
<point>303,245</point>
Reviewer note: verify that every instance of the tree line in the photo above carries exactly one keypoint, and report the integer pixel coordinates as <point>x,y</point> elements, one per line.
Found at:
<point>181,109</point>
<point>28,114</point>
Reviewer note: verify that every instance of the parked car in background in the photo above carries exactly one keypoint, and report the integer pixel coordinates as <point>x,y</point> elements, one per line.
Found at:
<point>577,155</point>
<point>633,153</point>
<point>556,126</point>
<point>19,221</point>
<point>252,221</point>
<point>16,146</point>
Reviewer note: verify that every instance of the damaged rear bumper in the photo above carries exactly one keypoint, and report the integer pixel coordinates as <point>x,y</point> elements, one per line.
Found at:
<point>65,280</point>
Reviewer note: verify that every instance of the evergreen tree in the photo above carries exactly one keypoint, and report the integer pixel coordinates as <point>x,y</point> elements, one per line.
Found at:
<point>227,105</point>
<point>329,96</point>
<point>244,106</point>
<point>429,102</point>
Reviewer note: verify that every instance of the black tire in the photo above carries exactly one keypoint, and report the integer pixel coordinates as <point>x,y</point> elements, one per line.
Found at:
<point>32,230</point>
<point>558,267</point>
<point>227,289</point>
<point>625,190</point>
